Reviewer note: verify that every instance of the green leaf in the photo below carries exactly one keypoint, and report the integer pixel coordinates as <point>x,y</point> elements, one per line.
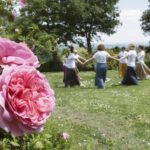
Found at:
<point>39,145</point>
<point>14,143</point>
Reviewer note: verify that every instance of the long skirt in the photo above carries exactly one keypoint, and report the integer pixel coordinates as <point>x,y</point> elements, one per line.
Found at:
<point>142,71</point>
<point>71,77</point>
<point>64,71</point>
<point>122,69</point>
<point>130,77</point>
<point>100,78</point>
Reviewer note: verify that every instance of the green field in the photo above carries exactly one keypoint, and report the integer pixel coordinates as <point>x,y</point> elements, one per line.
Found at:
<point>117,117</point>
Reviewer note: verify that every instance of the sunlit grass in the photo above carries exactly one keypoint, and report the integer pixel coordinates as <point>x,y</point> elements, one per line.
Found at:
<point>117,117</point>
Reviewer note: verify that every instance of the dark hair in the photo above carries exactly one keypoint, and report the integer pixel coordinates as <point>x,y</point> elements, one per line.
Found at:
<point>100,47</point>
<point>141,47</point>
<point>71,49</point>
<point>123,48</point>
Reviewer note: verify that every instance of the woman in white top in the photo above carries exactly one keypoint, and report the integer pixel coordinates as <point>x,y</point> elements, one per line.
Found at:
<point>142,71</point>
<point>122,63</point>
<point>101,65</point>
<point>130,77</point>
<point>71,74</point>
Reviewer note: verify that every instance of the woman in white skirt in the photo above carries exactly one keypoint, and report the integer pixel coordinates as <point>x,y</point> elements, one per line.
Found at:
<point>142,71</point>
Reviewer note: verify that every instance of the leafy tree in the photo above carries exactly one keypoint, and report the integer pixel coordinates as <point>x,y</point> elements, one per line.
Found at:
<point>87,18</point>
<point>146,21</point>
<point>42,43</point>
<point>72,20</point>
<point>7,15</point>
<point>23,29</point>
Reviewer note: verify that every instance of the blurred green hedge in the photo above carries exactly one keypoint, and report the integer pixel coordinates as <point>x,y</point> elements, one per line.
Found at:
<point>55,63</point>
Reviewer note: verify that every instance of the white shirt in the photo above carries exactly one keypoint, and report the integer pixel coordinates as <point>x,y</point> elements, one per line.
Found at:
<point>140,57</point>
<point>131,58</point>
<point>77,56</point>
<point>101,56</point>
<point>123,54</point>
<point>71,61</point>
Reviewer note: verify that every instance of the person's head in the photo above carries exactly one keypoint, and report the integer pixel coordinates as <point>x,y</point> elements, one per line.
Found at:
<point>123,48</point>
<point>131,46</point>
<point>71,48</point>
<point>100,47</point>
<point>140,47</point>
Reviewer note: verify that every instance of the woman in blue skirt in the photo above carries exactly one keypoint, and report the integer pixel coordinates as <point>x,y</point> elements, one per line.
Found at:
<point>101,65</point>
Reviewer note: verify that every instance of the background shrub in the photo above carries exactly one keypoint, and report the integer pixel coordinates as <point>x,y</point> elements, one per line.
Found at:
<point>147,59</point>
<point>54,63</point>
<point>112,64</point>
<point>50,139</point>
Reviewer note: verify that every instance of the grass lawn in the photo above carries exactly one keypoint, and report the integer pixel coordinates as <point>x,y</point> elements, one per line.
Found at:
<point>117,117</point>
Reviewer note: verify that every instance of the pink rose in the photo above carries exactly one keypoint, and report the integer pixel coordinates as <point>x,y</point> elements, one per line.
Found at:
<point>12,53</point>
<point>26,100</point>
<point>65,135</point>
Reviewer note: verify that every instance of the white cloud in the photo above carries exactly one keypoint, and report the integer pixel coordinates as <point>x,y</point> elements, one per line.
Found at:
<point>132,13</point>
<point>130,31</point>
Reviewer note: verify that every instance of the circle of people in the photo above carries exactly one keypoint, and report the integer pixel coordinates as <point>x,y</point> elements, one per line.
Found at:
<point>131,65</point>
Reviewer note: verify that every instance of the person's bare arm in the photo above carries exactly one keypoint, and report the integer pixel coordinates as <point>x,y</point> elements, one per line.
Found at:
<point>123,57</point>
<point>90,59</point>
<point>112,57</point>
<point>116,56</point>
<point>80,62</point>
<point>83,59</point>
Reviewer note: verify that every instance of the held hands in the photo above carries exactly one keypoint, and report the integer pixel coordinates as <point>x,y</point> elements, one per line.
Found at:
<point>115,58</point>
<point>85,62</point>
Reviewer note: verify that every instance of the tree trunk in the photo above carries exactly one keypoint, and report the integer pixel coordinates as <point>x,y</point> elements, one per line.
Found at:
<point>88,40</point>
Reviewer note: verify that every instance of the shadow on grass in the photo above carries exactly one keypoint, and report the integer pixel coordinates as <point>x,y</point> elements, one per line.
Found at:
<point>120,85</point>
<point>56,86</point>
<point>115,85</point>
<point>74,87</point>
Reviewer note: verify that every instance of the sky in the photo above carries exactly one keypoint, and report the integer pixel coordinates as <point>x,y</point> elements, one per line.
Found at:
<point>130,30</point>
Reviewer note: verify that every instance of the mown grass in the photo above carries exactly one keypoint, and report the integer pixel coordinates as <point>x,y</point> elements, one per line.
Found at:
<point>115,118</point>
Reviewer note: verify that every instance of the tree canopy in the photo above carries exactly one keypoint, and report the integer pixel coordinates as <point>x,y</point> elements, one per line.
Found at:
<point>42,24</point>
<point>72,20</point>
<point>23,29</point>
<point>146,21</point>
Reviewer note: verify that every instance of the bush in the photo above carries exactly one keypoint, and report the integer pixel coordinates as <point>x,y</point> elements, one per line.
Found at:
<point>112,64</point>
<point>51,140</point>
<point>84,53</point>
<point>147,59</point>
<point>54,63</point>
<point>147,49</point>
